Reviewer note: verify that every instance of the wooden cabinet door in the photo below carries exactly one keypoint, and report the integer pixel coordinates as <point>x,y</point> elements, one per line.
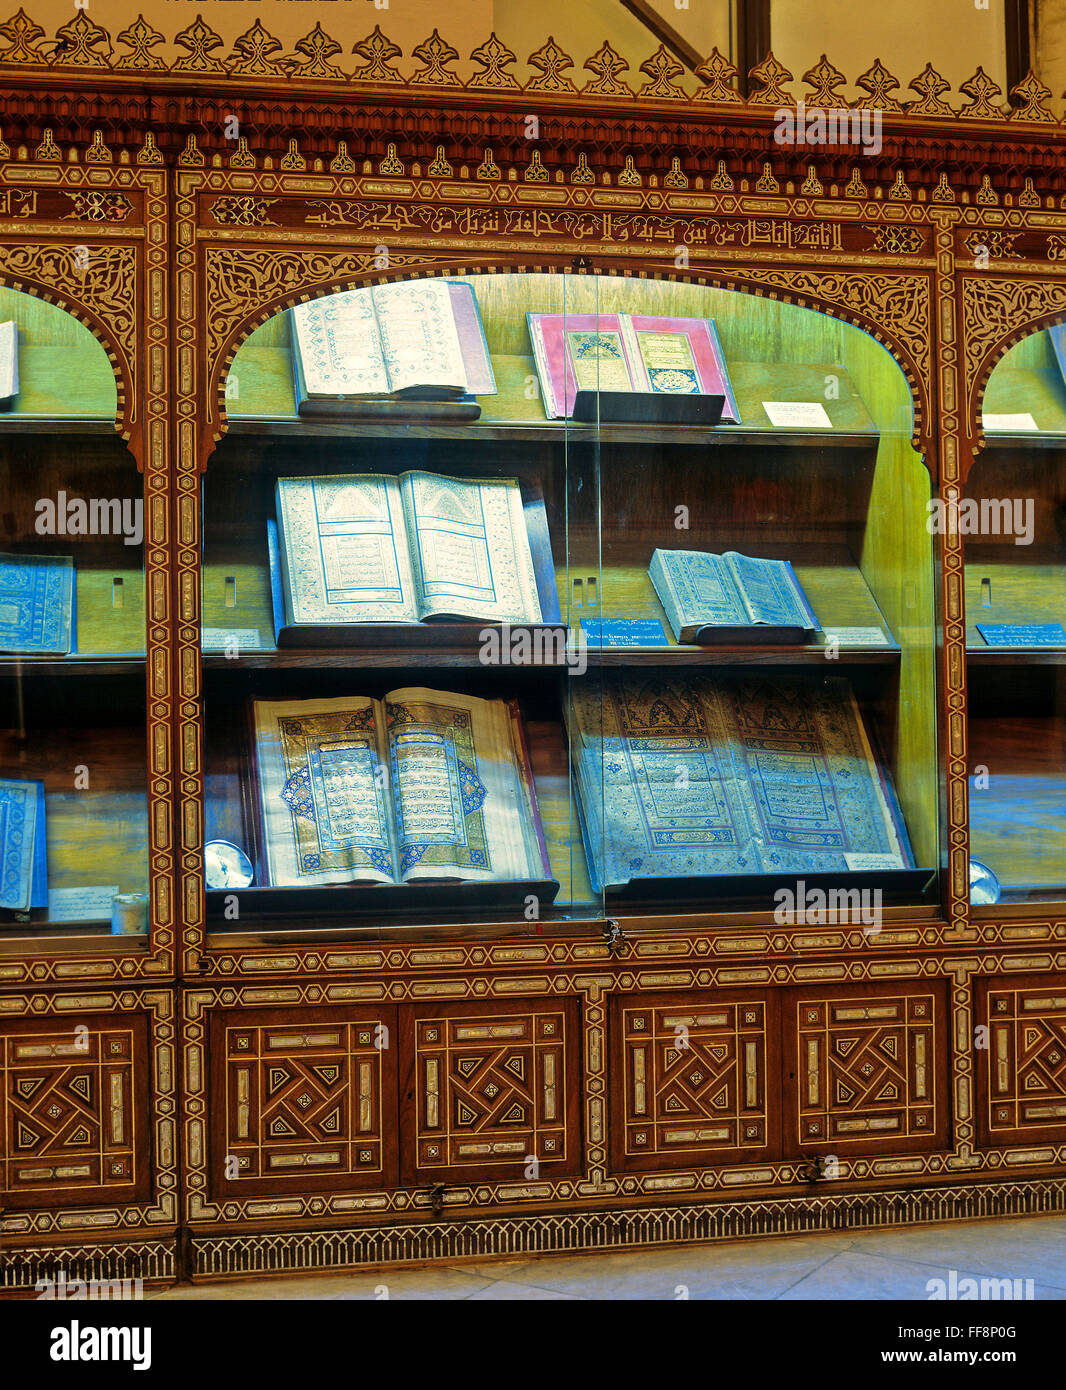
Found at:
<point>75,1119</point>
<point>694,1080</point>
<point>302,1100</point>
<point>865,1068</point>
<point>490,1091</point>
<point>1021,1069</point>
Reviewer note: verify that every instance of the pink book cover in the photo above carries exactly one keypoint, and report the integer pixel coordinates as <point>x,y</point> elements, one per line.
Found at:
<point>553,354</point>
<point>707,356</point>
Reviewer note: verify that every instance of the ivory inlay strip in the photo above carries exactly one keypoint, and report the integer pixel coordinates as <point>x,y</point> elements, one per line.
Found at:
<point>640,1077</point>
<point>304,1160</point>
<point>688,1136</point>
<point>432,1093</point>
<point>117,1109</point>
<point>366,1092</point>
<point>472,1032</point>
<point>847,1015</point>
<point>549,1086</point>
<point>694,1020</point>
<point>919,1067</point>
<point>862,1126</point>
<point>500,1146</point>
<point>751,1075</point>
<point>287,1040</point>
<point>812,1071</point>
<point>243,1108</point>
<point>1002,1059</point>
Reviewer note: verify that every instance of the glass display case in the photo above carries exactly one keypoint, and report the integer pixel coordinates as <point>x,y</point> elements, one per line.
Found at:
<point>449,675</point>
<point>73,783</point>
<point>1012,519</point>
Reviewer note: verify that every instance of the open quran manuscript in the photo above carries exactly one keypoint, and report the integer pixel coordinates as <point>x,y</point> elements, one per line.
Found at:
<point>731,597</point>
<point>691,776</point>
<point>371,548</point>
<point>422,784</point>
<point>414,340</point>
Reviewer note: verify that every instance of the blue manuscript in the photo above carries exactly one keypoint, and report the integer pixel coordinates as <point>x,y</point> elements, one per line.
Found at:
<point>691,776</point>
<point>730,598</point>
<point>23,856</point>
<point>36,604</point>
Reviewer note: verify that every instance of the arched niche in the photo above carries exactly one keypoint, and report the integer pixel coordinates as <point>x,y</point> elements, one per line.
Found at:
<point>845,499</point>
<point>1012,523</point>
<point>75,720</point>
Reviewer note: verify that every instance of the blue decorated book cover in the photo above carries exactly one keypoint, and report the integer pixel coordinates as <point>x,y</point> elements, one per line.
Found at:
<point>36,604</point>
<point>23,850</point>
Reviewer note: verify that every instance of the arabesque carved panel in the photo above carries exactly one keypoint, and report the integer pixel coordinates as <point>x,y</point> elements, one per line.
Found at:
<point>1022,1071</point>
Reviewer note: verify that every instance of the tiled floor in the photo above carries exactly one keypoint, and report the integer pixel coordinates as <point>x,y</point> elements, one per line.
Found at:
<point>845,1265</point>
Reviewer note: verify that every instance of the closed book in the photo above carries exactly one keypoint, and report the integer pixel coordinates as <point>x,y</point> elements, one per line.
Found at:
<point>36,604</point>
<point>9,363</point>
<point>23,850</point>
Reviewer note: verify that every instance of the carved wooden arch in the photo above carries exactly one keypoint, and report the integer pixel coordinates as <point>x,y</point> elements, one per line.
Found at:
<point>16,260</point>
<point>832,293</point>
<point>1024,307</point>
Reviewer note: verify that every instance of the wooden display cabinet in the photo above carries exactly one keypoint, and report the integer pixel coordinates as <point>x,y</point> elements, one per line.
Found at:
<point>834,1076</point>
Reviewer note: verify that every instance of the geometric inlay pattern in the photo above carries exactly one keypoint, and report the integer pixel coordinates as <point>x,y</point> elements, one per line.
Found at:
<point>303,1101</point>
<point>694,1080</point>
<point>491,1091</point>
<point>865,1069</point>
<point>1027,1059</point>
<point>67,1117</point>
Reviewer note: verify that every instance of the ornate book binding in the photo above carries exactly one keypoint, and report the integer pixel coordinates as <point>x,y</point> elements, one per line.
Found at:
<point>23,851</point>
<point>727,598</point>
<point>36,604</point>
<point>610,354</point>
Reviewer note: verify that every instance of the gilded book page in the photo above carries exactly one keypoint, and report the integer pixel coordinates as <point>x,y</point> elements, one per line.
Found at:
<point>459,808</point>
<point>338,345</point>
<point>688,776</point>
<point>419,339</point>
<point>323,788</point>
<point>470,549</point>
<point>344,550</point>
<point>599,361</point>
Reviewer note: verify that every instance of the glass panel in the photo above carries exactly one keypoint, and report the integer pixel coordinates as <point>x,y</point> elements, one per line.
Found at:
<point>73,801</point>
<point>733,749</point>
<point>359,553</point>
<point>699,770</point>
<point>1012,521</point>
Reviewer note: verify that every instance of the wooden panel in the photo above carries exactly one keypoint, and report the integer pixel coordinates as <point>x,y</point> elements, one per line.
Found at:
<point>302,1100</point>
<point>74,1120</point>
<point>691,1080</point>
<point>1021,1074</point>
<point>488,1089</point>
<point>865,1069</point>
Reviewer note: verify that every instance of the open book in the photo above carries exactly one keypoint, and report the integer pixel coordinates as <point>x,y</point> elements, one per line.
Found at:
<point>731,598</point>
<point>372,548</point>
<point>417,340</point>
<point>690,776</point>
<point>23,855</point>
<point>642,353</point>
<point>422,784</point>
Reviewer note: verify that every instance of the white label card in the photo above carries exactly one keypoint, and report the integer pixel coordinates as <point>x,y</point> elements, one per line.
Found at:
<point>1010,422</point>
<point>857,636</point>
<point>81,904</point>
<point>227,636</point>
<point>798,415</point>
